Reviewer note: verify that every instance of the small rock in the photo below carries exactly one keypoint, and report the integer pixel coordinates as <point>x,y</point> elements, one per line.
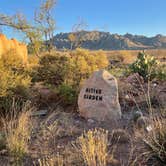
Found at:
<point>154,84</point>
<point>3,152</point>
<point>77,122</point>
<point>91,121</point>
<point>149,128</point>
<point>127,97</point>
<point>113,161</point>
<point>60,146</point>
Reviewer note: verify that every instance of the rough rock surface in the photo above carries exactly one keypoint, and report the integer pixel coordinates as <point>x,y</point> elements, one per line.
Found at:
<point>98,98</point>
<point>7,45</point>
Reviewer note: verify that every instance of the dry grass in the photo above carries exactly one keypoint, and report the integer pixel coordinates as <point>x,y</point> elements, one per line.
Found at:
<point>152,144</point>
<point>93,147</point>
<point>155,142</point>
<point>47,139</point>
<point>128,56</point>
<point>51,161</point>
<point>17,132</point>
<point>56,126</point>
<point>120,136</point>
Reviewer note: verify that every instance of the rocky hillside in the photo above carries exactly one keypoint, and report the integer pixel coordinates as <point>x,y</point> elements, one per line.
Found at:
<point>95,40</point>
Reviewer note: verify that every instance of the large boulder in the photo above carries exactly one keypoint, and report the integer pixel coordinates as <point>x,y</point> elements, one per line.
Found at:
<point>98,98</point>
<point>7,45</point>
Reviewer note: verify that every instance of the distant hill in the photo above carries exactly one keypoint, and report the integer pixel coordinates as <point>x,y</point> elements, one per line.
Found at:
<point>95,40</point>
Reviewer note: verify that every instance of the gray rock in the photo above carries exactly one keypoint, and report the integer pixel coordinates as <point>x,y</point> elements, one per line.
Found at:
<point>91,121</point>
<point>98,98</point>
<point>149,128</point>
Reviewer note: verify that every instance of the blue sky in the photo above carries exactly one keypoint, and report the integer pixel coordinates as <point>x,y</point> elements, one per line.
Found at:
<point>145,17</point>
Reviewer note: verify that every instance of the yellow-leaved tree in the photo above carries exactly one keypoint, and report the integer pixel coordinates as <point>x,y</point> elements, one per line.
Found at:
<point>83,63</point>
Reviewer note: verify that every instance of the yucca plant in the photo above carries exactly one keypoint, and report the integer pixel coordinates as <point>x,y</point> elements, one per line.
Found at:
<point>145,65</point>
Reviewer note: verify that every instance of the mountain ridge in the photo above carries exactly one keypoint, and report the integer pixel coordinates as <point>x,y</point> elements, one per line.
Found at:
<point>95,40</point>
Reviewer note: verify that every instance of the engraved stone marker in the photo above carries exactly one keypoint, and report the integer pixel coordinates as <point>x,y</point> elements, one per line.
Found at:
<point>98,98</point>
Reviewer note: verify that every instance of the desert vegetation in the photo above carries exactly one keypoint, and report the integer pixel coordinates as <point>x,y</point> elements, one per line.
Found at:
<point>40,122</point>
<point>61,137</point>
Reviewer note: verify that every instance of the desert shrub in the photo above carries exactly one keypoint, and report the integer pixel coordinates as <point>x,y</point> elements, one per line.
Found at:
<point>50,132</point>
<point>33,63</point>
<point>128,56</point>
<point>17,129</point>
<point>145,65</point>
<point>12,60</point>
<point>118,71</point>
<point>83,63</point>
<point>93,147</point>
<point>70,67</point>
<point>13,85</point>
<point>51,161</point>
<point>52,69</point>
<point>161,72</point>
<point>116,57</point>
<point>6,104</point>
<point>155,143</point>
<point>67,93</point>
<point>68,70</point>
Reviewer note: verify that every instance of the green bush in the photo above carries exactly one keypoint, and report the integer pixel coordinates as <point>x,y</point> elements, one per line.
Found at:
<point>67,94</point>
<point>161,72</point>
<point>145,65</point>
<point>52,69</point>
<point>118,71</point>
